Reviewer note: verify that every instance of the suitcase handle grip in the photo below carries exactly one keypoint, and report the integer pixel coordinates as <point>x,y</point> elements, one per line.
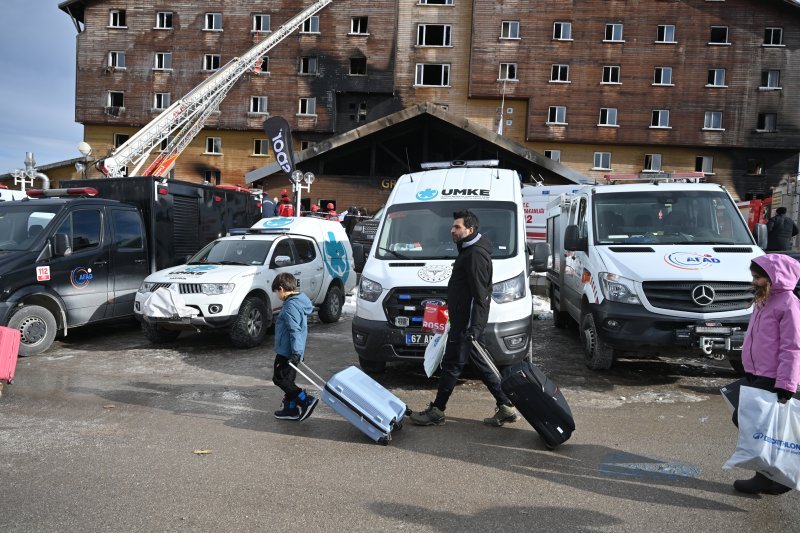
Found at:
<point>319,387</point>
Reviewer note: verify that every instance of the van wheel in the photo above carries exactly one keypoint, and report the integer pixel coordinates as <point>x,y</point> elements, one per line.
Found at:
<point>560,318</point>
<point>251,324</point>
<point>158,335</point>
<point>596,353</point>
<point>372,367</point>
<point>331,308</point>
<point>37,329</point>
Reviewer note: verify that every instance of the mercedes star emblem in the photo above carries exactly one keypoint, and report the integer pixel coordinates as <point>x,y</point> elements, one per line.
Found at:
<point>703,295</point>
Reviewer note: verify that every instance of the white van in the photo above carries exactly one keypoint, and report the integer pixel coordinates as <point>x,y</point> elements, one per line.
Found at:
<point>228,284</point>
<point>412,256</point>
<point>535,199</point>
<point>651,265</point>
<point>8,195</point>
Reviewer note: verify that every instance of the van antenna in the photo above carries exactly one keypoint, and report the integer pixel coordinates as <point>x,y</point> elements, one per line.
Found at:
<point>408,165</point>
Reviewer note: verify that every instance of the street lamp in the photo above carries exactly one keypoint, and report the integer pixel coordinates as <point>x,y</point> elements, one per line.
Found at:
<point>297,179</point>
<point>86,150</point>
<point>24,178</point>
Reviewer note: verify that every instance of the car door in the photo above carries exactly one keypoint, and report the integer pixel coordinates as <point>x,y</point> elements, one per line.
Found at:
<point>282,259</point>
<point>81,276</point>
<point>309,266</point>
<point>128,259</point>
<point>575,261</point>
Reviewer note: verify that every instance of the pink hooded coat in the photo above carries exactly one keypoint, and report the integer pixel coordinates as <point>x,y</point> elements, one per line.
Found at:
<point>772,344</point>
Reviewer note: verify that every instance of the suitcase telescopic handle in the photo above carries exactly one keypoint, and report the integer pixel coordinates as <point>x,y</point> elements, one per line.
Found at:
<point>486,357</point>
<point>319,387</point>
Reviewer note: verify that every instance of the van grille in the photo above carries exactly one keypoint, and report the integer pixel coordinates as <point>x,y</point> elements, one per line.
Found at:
<point>677,295</point>
<point>408,302</point>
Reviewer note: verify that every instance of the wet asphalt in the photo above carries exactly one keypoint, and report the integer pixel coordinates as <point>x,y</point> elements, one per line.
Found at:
<point>106,432</point>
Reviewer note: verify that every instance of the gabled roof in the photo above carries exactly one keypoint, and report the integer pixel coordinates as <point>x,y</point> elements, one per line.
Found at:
<point>459,134</point>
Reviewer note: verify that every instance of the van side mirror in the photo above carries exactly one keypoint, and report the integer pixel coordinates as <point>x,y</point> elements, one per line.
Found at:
<point>573,241</point>
<point>761,235</point>
<point>541,255</point>
<point>61,245</point>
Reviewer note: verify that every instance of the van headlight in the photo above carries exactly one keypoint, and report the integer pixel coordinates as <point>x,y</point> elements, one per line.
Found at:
<point>618,289</point>
<point>145,287</point>
<point>509,290</point>
<point>369,290</point>
<point>216,288</point>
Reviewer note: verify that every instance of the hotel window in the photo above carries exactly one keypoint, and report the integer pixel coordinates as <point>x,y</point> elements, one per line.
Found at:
<point>767,122</point>
<point>213,145</point>
<point>308,65</point>
<point>716,77</point>
<point>557,114</point>
<point>213,22</point>
<point>211,62</point>
<point>665,33</point>
<point>755,167</point>
<point>258,104</point>
<point>652,163</point>
<point>163,61</point>
<point>264,66</point>
<point>116,59</point>
<point>611,74</point>
<point>659,118</point>
<point>212,176</point>
<point>260,147</point>
<point>718,35</point>
<point>164,20</point>
<point>662,76</point>
<point>358,66</point>
<point>770,79</point>
<point>310,25</point>
<point>116,18</point>
<point>432,74</point>
<point>436,2</point>
<point>713,120</point>
<point>555,155</point>
<point>120,139</point>
<point>161,100</point>
<point>434,35</point>
<point>613,33</point>
<point>608,117</point>
<point>261,23</point>
<point>773,37</point>
<point>307,106</point>
<point>508,72</point>
<point>358,25</point>
<point>704,164</point>
<point>602,161</point>
<point>559,73</point>
<point>509,29</point>
<point>115,99</point>
<point>562,31</point>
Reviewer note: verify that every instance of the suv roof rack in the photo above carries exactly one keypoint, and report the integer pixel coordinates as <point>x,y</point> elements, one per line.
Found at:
<point>656,177</point>
<point>461,163</point>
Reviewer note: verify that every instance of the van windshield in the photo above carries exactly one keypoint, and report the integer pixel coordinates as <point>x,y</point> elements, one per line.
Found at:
<point>669,217</point>
<point>233,252</point>
<point>20,225</point>
<point>422,230</point>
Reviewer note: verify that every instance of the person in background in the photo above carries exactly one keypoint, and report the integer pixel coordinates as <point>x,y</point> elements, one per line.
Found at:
<point>284,207</point>
<point>469,293</point>
<point>780,230</point>
<point>771,349</point>
<point>330,214</point>
<point>314,210</point>
<point>291,332</point>
<point>267,206</point>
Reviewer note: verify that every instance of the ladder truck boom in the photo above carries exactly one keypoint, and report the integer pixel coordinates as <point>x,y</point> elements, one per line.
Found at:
<point>188,114</point>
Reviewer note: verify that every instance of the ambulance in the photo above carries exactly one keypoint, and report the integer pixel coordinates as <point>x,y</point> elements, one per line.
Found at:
<point>411,260</point>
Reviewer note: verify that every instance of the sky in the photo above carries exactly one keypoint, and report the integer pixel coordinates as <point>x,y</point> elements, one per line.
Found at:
<point>37,84</point>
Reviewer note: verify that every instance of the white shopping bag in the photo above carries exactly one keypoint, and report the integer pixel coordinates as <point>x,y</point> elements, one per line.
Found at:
<point>435,351</point>
<point>769,437</point>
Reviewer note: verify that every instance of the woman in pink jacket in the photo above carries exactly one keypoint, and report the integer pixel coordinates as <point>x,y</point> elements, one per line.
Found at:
<point>771,349</point>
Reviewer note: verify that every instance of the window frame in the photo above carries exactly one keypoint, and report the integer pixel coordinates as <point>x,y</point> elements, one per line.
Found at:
<point>611,69</point>
<point>210,21</point>
<point>657,124</point>
<point>121,18</point>
<point>447,35</point>
<point>310,25</point>
<point>652,163</point>
<point>261,17</point>
<point>600,157</point>
<point>510,68</point>
<point>161,20</point>
<point>714,82</point>
<point>613,26</point>
<point>263,144</point>
<point>665,31</point>
<point>308,66</point>
<point>772,29</point>
<point>769,79</point>
<point>352,73</point>
<point>712,117</point>
<point>256,105</point>
<point>661,83</point>
<point>355,25</point>
<point>558,69</point>
<point>611,117</point>
<point>550,153</point>
<point>310,106</point>
<point>726,42</point>
<point>420,77</point>
<point>114,59</point>
<point>706,162</point>
<point>213,146</point>
<point>561,26</point>
<point>554,112</point>
<point>166,61</point>
<point>435,2</point>
<point>162,96</point>
<point>763,122</point>
<point>506,28</point>
<point>211,57</point>
<point>111,95</point>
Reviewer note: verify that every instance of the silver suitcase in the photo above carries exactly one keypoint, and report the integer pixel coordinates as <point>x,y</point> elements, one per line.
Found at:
<point>361,400</point>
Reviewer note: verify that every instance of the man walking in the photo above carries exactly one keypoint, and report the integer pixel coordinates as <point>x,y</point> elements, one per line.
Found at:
<point>468,296</point>
<point>780,230</point>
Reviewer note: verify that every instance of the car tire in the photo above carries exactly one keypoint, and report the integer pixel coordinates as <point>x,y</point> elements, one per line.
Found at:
<point>331,308</point>
<point>251,324</point>
<point>372,367</point>
<point>37,328</point>
<point>596,353</point>
<point>158,335</point>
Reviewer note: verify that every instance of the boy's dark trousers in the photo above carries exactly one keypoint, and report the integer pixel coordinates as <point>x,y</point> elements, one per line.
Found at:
<point>284,375</point>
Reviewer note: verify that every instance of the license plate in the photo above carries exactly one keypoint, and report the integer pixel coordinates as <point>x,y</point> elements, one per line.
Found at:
<point>418,339</point>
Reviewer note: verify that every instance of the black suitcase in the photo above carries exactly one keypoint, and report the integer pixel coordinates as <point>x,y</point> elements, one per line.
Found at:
<point>537,399</point>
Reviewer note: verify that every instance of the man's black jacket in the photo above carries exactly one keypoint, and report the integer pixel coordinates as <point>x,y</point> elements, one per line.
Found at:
<point>469,291</point>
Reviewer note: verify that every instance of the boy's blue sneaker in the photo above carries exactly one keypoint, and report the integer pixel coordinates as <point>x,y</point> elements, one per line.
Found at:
<point>307,406</point>
<point>288,411</point>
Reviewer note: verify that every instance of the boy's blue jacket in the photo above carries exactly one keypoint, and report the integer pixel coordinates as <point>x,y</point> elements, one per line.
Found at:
<point>291,326</point>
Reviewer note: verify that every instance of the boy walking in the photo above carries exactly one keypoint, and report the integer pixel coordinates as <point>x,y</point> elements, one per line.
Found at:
<point>291,331</point>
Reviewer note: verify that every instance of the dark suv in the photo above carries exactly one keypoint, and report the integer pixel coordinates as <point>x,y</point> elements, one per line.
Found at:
<point>362,236</point>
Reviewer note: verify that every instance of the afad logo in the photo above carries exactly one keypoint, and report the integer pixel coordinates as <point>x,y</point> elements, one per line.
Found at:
<point>279,222</point>
<point>80,277</point>
<point>336,258</point>
<point>691,260</point>
<point>427,194</point>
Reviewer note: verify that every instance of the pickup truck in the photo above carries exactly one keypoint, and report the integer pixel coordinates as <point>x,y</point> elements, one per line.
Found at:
<point>228,284</point>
